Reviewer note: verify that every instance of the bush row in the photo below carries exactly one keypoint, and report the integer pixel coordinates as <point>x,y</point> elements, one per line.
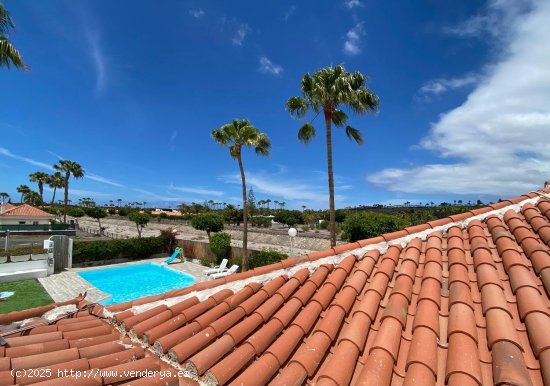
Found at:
<point>84,251</point>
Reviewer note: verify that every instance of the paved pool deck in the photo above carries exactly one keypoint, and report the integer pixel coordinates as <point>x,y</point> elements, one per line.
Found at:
<point>68,284</point>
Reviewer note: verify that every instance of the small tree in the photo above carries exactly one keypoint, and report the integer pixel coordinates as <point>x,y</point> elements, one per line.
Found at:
<point>97,213</point>
<point>363,225</point>
<point>168,237</point>
<point>141,220</point>
<point>219,244</point>
<point>76,212</point>
<point>209,222</point>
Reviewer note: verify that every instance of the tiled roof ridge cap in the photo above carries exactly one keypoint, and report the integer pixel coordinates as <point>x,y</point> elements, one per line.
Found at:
<point>335,259</point>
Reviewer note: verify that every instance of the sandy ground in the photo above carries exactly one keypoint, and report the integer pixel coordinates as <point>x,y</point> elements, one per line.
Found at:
<point>119,228</point>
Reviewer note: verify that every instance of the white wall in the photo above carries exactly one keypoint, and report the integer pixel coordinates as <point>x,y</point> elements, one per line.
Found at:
<point>13,220</point>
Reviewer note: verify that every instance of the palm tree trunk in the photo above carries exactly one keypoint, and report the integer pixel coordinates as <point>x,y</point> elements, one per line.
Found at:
<point>245,214</point>
<point>41,191</point>
<point>66,198</point>
<point>332,222</point>
<point>53,197</point>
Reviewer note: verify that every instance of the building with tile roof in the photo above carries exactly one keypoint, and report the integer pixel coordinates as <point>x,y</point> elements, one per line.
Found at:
<point>23,215</point>
<point>460,301</point>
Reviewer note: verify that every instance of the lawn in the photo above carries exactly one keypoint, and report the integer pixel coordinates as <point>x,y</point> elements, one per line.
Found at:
<point>28,294</point>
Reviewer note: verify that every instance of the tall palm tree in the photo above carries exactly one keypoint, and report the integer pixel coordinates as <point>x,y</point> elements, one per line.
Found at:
<point>40,178</point>
<point>327,91</point>
<point>55,181</point>
<point>8,53</point>
<point>68,168</point>
<point>23,189</point>
<point>236,135</point>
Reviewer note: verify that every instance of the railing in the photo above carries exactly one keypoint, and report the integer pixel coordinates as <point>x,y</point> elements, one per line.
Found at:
<point>30,227</point>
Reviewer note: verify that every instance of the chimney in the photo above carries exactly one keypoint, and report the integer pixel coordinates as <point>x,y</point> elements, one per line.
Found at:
<point>2,207</point>
<point>547,184</point>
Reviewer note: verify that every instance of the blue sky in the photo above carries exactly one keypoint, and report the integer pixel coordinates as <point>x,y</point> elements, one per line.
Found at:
<point>132,89</point>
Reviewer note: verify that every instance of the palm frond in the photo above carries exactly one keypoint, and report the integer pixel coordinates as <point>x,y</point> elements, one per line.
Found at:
<point>263,145</point>
<point>354,134</point>
<point>5,20</point>
<point>10,55</point>
<point>339,118</point>
<point>297,107</point>
<point>306,133</point>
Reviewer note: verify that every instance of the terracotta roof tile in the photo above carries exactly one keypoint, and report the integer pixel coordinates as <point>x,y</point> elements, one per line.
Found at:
<point>466,303</point>
<point>25,210</point>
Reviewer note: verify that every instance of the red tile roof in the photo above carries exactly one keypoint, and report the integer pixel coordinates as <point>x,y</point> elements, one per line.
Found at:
<point>25,210</point>
<point>458,301</point>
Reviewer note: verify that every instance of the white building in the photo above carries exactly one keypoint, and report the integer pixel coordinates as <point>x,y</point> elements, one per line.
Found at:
<point>23,215</point>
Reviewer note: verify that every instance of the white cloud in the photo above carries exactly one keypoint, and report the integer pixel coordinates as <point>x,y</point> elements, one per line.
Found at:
<point>353,3</point>
<point>267,67</point>
<point>289,12</point>
<point>103,180</point>
<point>497,141</point>
<point>441,85</point>
<point>240,35</point>
<point>352,44</point>
<point>197,190</point>
<point>196,13</point>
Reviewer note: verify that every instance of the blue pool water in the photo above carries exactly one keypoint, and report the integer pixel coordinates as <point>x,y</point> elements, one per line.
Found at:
<point>134,281</point>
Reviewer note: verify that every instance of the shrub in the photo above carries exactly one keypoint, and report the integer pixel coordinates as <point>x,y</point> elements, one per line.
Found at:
<point>168,237</point>
<point>364,225</point>
<point>84,251</point>
<point>220,244</point>
<point>209,222</point>
<point>324,224</point>
<point>260,221</point>
<point>122,212</point>
<point>76,212</point>
<point>111,210</point>
<point>265,257</point>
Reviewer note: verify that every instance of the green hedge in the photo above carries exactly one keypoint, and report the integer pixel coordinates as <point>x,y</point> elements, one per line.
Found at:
<point>265,257</point>
<point>21,251</point>
<point>96,250</point>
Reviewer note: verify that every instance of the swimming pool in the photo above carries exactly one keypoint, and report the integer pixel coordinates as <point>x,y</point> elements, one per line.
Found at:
<point>134,281</point>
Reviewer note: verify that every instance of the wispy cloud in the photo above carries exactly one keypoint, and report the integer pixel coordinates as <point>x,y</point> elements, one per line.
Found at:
<point>267,67</point>
<point>353,3</point>
<point>92,35</point>
<point>81,193</point>
<point>240,35</point>
<point>196,13</point>
<point>297,191</point>
<point>197,190</point>
<point>173,136</point>
<point>441,85</point>
<point>55,155</point>
<point>103,180</point>
<point>162,197</point>
<point>496,142</point>
<point>7,153</point>
<point>352,44</point>
<point>493,21</point>
<point>289,13</point>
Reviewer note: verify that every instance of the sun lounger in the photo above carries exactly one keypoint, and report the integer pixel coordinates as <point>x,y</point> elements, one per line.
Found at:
<point>177,252</point>
<point>220,268</point>
<point>230,271</point>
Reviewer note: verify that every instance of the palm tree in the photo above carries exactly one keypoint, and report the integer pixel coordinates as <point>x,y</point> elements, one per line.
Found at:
<point>236,135</point>
<point>8,53</point>
<point>55,181</point>
<point>69,168</point>
<point>326,91</point>
<point>119,200</point>
<point>40,178</point>
<point>23,189</point>
<point>3,196</point>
